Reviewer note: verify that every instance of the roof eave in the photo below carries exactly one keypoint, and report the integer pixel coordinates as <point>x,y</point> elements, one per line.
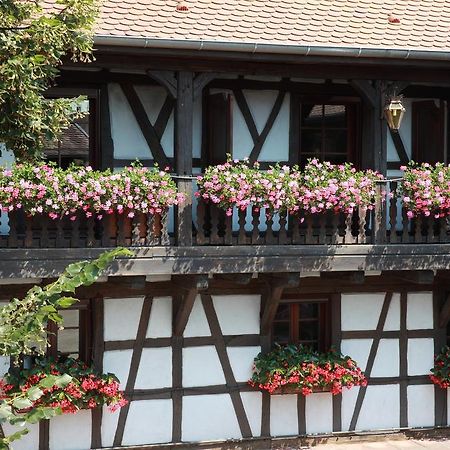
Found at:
<point>258,47</point>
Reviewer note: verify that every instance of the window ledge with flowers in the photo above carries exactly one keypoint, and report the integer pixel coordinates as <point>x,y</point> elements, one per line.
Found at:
<point>296,369</point>
<point>51,386</point>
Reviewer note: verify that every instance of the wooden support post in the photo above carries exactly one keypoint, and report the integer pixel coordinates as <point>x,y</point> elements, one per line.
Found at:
<point>444,315</point>
<point>374,130</point>
<point>183,153</point>
<point>107,144</point>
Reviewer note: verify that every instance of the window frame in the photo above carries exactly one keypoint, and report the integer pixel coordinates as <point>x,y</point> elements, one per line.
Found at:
<point>324,318</point>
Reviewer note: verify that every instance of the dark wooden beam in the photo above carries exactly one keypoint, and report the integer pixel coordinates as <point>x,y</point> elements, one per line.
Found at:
<point>183,154</point>
<point>145,125</point>
<point>354,277</point>
<point>165,78</point>
<point>444,315</point>
<point>201,81</point>
<point>399,147</point>
<point>237,278</point>
<point>184,312</point>
<point>417,276</point>
<point>106,142</point>
<point>164,116</point>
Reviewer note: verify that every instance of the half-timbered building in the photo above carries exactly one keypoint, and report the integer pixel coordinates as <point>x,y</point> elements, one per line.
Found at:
<point>183,83</point>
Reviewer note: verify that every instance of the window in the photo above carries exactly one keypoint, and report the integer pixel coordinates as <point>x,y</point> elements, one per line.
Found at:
<point>75,339</point>
<point>78,143</point>
<point>303,322</point>
<point>328,132</point>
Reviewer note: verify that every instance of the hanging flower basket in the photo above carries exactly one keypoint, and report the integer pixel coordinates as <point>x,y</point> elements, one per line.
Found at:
<point>293,369</point>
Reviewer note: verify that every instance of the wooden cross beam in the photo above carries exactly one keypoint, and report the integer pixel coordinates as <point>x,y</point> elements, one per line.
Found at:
<point>166,79</point>
<point>258,139</point>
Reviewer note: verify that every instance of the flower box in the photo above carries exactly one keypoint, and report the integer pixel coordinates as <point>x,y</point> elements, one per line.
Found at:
<point>295,369</point>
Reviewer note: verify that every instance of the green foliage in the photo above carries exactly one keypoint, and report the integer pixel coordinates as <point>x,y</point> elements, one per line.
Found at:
<point>23,321</point>
<point>33,41</point>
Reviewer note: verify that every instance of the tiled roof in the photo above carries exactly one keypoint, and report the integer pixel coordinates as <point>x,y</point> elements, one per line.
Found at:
<point>423,24</point>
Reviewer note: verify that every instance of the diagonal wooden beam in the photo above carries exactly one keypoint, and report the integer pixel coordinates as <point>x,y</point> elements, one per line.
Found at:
<point>367,91</point>
<point>201,80</point>
<point>245,110</point>
<point>134,367</point>
<point>444,315</point>
<point>184,312</point>
<point>163,117</point>
<point>254,154</point>
<point>399,147</point>
<point>145,125</point>
<point>371,359</point>
<point>230,379</point>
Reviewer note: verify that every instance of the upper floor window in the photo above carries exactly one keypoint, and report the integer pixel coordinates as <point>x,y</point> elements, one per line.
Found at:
<point>303,322</point>
<point>328,132</point>
<point>78,143</point>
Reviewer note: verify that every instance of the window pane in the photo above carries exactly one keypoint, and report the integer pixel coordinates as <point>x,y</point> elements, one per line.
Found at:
<point>311,142</point>
<point>281,332</point>
<point>68,341</point>
<point>308,331</point>
<point>335,116</point>
<point>282,312</point>
<point>309,310</point>
<point>312,115</point>
<point>71,317</point>
<point>335,142</point>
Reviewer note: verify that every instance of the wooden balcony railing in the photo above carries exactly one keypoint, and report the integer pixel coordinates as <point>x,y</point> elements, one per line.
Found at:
<point>387,223</point>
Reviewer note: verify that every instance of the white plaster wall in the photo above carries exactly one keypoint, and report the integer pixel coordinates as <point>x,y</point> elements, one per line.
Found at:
<point>387,359</point>
<point>380,409</point>
<point>197,324</point>
<point>71,431</point>
<point>155,368</point>
<point>283,415</point>
<point>118,362</point>
<point>122,318</point>
<point>238,314</point>
<point>148,422</point>
<point>253,408</point>
<point>420,356</point>
<point>420,311</point>
<point>260,104</point>
<point>109,426</point>
<point>29,441</point>
<point>209,417</point>
<point>129,142</point>
<point>358,350</point>
<point>421,406</point>
<point>241,360</point>
<point>319,413</point>
<point>201,367</point>
<point>160,323</point>
<point>361,311</point>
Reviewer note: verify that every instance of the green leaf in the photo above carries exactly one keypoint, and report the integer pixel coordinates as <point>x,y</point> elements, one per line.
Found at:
<point>48,382</point>
<point>66,302</point>
<point>34,393</point>
<point>63,380</point>
<point>22,403</point>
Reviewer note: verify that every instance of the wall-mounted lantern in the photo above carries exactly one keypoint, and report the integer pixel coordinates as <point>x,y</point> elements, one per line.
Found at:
<point>394,112</point>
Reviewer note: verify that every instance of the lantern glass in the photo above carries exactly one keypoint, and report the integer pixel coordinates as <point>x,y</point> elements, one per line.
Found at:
<point>394,113</point>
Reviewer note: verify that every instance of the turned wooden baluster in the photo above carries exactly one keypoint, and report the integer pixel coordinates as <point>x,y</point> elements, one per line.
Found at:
<point>59,232</point>
<point>164,221</point>
<point>121,229</point>
<point>270,238</point>
<point>296,229</point>
<point>135,230</point>
<point>418,229</point>
<point>348,238</point>
<point>379,221</point>
<point>442,229</point>
<point>108,229</point>
<point>151,238</point>
<point>255,226</point>
<point>201,217</point>
<point>282,234</point>
<point>430,221</point>
<point>242,238</point>
<point>13,240</point>
<point>28,241</point>
<point>362,214</point>
<point>44,238</point>
<point>309,229</point>
<point>335,235</point>
<point>393,213</point>
<point>90,240</point>
<point>405,226</point>
<point>214,233</point>
<point>322,228</point>
<point>75,232</point>
<point>228,224</point>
